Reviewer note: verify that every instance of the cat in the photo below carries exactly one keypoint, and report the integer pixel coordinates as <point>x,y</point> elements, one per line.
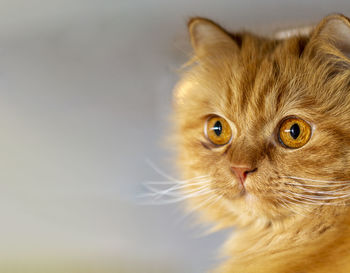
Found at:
<point>262,131</point>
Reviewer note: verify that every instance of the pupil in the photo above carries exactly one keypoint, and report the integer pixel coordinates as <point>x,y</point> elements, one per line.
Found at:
<point>217,128</point>
<point>295,131</point>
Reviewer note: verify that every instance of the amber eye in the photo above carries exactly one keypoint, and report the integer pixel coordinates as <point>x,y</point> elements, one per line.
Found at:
<point>294,132</point>
<point>217,130</point>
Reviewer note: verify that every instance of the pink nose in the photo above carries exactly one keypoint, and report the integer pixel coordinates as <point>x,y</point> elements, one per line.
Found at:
<point>241,172</point>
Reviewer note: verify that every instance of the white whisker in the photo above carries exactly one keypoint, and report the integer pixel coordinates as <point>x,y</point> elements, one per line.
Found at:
<point>317,185</point>
<point>310,201</point>
<point>175,187</point>
<point>332,192</point>
<point>316,197</point>
<point>293,210</point>
<point>166,182</point>
<point>173,191</point>
<point>296,201</point>
<point>176,200</point>
<point>315,180</point>
<point>160,172</point>
<point>207,201</point>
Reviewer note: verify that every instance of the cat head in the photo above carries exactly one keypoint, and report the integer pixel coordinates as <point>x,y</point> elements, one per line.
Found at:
<point>263,125</point>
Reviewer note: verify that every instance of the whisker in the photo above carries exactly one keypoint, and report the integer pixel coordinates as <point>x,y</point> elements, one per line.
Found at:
<point>174,187</point>
<point>311,202</point>
<point>159,171</point>
<point>175,190</point>
<point>200,205</point>
<point>196,192</point>
<point>167,176</point>
<point>315,180</point>
<point>168,192</point>
<point>296,200</point>
<point>317,185</point>
<point>337,191</point>
<point>214,197</point>
<point>315,197</point>
<point>165,182</point>
<point>284,204</point>
<point>293,210</point>
<point>210,201</point>
<point>176,200</point>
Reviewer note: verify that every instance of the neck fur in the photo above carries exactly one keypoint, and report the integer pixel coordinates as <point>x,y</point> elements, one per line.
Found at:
<point>292,246</point>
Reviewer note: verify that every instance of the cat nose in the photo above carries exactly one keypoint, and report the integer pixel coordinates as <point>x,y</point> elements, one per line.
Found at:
<point>241,172</point>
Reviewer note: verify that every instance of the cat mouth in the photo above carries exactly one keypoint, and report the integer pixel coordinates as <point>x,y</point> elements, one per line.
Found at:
<point>243,192</point>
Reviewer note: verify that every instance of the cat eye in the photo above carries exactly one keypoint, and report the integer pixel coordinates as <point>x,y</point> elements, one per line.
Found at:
<point>294,132</point>
<point>217,130</point>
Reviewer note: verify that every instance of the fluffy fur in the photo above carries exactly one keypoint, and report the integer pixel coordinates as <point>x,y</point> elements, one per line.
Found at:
<point>295,214</point>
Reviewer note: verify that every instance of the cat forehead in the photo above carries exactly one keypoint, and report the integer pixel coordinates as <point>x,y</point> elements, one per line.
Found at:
<point>236,87</point>
<point>265,80</point>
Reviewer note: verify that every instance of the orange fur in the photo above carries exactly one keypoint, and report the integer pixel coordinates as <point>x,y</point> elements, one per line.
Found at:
<point>255,82</point>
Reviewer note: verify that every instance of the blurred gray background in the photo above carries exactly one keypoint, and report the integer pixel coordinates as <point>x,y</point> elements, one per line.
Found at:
<point>85,95</point>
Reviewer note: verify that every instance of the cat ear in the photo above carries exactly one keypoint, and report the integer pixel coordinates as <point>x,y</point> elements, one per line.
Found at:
<point>206,35</point>
<point>334,31</point>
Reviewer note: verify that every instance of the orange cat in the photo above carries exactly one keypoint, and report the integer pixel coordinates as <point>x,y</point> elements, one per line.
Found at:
<point>263,137</point>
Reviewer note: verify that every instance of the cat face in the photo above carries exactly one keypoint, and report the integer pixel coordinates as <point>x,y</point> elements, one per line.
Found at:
<point>266,122</point>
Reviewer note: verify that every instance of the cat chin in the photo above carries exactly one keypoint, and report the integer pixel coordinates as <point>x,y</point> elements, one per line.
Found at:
<point>256,206</point>
<point>250,199</point>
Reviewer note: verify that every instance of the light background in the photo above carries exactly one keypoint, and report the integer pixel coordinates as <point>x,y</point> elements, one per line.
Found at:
<point>85,93</point>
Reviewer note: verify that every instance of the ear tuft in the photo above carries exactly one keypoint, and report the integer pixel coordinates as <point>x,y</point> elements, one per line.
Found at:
<point>205,35</point>
<point>335,29</point>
